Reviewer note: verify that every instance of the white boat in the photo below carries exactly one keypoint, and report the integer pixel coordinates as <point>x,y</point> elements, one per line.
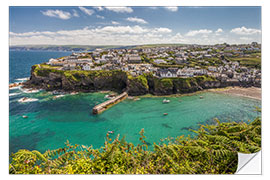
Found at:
<point>166,101</point>
<point>110,96</point>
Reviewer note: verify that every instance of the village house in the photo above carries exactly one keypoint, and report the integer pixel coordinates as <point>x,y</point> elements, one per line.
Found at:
<point>86,67</point>
<point>55,62</point>
<point>69,66</point>
<point>160,61</point>
<point>180,60</point>
<point>185,72</point>
<point>134,59</point>
<point>212,68</point>
<point>170,72</point>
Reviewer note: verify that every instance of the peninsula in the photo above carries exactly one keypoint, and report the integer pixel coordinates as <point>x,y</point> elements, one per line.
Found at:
<point>157,70</point>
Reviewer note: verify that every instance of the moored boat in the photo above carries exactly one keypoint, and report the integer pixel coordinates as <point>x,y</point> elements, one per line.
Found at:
<point>166,101</point>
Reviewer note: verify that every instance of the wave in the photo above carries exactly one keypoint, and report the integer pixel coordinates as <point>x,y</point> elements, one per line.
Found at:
<point>16,87</point>
<point>14,94</point>
<point>29,90</point>
<point>22,79</point>
<point>25,99</point>
<point>58,96</point>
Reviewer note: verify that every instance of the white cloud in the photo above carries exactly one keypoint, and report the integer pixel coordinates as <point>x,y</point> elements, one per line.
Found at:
<point>126,35</point>
<point>57,13</point>
<point>138,20</point>
<point>245,38</point>
<point>172,8</point>
<point>219,30</point>
<point>89,12</point>
<point>100,17</point>
<point>75,13</point>
<point>245,31</point>
<point>115,23</point>
<point>122,35</point>
<point>99,8</point>
<point>200,32</point>
<point>120,9</point>
<point>162,30</point>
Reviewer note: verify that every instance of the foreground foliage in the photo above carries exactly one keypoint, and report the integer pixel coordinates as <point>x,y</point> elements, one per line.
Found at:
<point>212,151</point>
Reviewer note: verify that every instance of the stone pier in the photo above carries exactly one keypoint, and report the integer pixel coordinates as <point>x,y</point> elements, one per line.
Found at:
<point>107,104</point>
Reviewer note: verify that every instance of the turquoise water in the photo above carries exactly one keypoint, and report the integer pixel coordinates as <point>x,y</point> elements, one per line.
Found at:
<point>51,121</point>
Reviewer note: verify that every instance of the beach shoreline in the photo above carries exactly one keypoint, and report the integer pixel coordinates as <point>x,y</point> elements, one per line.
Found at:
<point>249,92</point>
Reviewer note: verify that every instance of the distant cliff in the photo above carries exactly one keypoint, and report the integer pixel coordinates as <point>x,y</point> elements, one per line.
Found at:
<point>49,78</point>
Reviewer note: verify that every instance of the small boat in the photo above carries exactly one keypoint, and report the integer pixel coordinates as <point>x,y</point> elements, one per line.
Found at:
<point>201,97</point>
<point>25,116</point>
<point>166,101</point>
<point>110,96</point>
<point>165,114</point>
<point>110,132</point>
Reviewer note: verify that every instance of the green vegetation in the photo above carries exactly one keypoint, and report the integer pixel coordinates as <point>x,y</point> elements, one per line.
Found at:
<point>141,79</point>
<point>253,62</point>
<point>44,70</point>
<point>212,151</point>
<point>166,82</point>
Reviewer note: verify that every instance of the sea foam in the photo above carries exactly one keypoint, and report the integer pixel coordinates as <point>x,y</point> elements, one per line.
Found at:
<point>24,99</point>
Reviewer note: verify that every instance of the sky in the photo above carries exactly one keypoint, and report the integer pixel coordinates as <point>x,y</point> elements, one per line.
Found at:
<point>133,25</point>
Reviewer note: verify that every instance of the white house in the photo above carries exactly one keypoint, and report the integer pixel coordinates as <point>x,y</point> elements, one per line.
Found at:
<point>168,72</point>
<point>86,67</point>
<point>212,68</point>
<point>159,61</point>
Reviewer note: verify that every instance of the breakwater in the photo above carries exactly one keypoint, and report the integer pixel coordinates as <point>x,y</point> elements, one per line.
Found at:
<point>107,104</point>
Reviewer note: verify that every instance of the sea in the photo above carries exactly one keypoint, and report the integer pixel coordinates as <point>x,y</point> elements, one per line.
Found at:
<point>52,121</point>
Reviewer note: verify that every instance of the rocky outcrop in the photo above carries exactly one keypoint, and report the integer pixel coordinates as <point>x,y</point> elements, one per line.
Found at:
<point>77,80</point>
<point>119,81</point>
<point>137,85</point>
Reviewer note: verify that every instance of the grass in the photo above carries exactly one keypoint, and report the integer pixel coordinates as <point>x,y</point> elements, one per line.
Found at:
<point>248,61</point>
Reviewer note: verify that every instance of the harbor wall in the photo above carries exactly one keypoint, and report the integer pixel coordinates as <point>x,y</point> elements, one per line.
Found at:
<point>107,104</point>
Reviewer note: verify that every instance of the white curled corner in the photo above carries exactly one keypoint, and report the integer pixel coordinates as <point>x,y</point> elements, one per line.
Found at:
<point>249,163</point>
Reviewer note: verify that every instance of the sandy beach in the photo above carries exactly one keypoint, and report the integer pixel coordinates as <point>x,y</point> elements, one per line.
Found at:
<point>250,92</point>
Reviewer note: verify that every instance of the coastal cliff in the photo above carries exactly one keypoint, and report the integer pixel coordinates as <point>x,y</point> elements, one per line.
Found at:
<point>50,78</point>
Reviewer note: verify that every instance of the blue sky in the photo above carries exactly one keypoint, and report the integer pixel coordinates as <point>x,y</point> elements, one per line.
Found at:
<point>134,25</point>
